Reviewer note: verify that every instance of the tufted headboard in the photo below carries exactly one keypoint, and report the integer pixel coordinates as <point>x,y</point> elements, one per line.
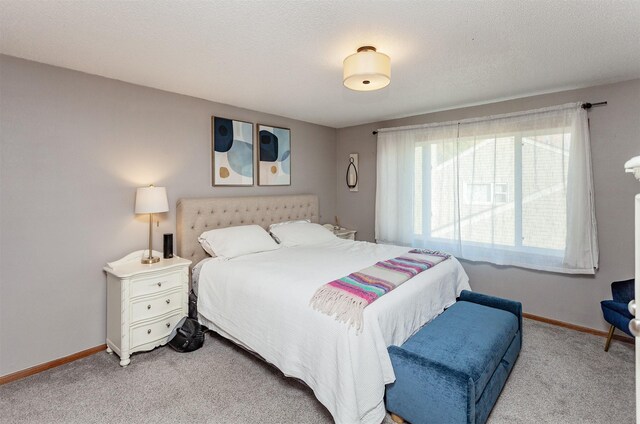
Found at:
<point>195,216</point>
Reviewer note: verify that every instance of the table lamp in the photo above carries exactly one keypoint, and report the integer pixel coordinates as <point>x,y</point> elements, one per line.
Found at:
<point>633,166</point>
<point>151,200</point>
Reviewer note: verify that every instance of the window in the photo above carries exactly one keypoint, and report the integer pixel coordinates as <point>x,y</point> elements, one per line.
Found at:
<point>532,216</point>
<point>501,192</point>
<point>478,193</point>
<point>485,193</point>
<point>493,189</point>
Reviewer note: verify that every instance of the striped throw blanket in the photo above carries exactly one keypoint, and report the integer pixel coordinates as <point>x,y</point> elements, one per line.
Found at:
<point>347,297</point>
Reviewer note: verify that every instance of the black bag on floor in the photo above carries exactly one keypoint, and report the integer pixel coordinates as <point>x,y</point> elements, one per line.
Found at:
<point>187,336</point>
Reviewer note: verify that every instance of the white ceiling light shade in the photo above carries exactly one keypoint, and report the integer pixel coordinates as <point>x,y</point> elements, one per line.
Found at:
<point>366,70</point>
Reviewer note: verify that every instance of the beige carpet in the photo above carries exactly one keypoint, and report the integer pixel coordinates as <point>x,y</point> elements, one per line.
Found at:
<point>562,376</point>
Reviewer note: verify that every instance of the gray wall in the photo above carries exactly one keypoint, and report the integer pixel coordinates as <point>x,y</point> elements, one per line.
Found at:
<point>615,138</point>
<point>74,148</point>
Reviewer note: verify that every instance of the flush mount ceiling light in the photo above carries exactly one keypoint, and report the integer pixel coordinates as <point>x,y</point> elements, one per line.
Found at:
<point>366,70</point>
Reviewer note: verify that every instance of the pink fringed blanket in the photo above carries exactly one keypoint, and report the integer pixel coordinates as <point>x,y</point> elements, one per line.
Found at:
<point>347,297</point>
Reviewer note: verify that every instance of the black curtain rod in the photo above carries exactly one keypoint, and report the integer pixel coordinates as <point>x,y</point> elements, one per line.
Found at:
<point>586,105</point>
<point>590,105</point>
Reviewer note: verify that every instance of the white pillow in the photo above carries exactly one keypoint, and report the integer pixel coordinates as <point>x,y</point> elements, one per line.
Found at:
<point>297,221</point>
<point>278,224</point>
<point>300,234</point>
<point>231,242</point>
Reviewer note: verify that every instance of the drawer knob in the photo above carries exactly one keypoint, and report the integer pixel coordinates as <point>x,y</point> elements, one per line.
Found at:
<point>149,331</point>
<point>168,325</point>
<point>159,284</point>
<point>168,301</point>
<point>148,306</point>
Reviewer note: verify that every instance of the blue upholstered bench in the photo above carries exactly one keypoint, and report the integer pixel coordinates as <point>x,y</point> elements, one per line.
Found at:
<point>454,368</point>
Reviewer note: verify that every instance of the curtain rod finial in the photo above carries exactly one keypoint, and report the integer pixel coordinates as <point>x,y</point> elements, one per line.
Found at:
<point>588,105</point>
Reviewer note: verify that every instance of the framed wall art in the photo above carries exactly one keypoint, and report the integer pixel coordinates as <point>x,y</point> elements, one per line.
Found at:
<point>231,152</point>
<point>274,156</point>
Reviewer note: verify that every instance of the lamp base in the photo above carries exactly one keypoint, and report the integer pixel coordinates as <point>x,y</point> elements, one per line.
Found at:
<point>151,260</point>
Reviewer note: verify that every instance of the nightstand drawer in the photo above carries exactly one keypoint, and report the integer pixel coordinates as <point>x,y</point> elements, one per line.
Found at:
<point>157,284</point>
<point>156,306</point>
<point>155,330</point>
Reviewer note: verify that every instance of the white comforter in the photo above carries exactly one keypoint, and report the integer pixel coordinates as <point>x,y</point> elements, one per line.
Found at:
<point>261,301</point>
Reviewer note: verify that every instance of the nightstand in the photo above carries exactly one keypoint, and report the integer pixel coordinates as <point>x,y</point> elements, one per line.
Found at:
<point>144,303</point>
<point>343,233</point>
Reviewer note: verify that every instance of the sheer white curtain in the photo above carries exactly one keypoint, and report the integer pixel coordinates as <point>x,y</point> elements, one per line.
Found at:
<point>513,189</point>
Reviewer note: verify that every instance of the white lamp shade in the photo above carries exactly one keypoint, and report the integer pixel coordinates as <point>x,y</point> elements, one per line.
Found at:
<point>633,166</point>
<point>151,200</point>
<point>367,70</point>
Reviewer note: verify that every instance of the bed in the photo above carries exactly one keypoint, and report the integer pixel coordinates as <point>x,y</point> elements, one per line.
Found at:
<point>261,302</point>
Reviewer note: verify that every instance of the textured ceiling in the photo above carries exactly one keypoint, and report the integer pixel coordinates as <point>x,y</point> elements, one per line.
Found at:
<point>285,57</point>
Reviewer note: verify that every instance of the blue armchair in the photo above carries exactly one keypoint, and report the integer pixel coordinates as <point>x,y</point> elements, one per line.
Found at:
<point>615,311</point>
